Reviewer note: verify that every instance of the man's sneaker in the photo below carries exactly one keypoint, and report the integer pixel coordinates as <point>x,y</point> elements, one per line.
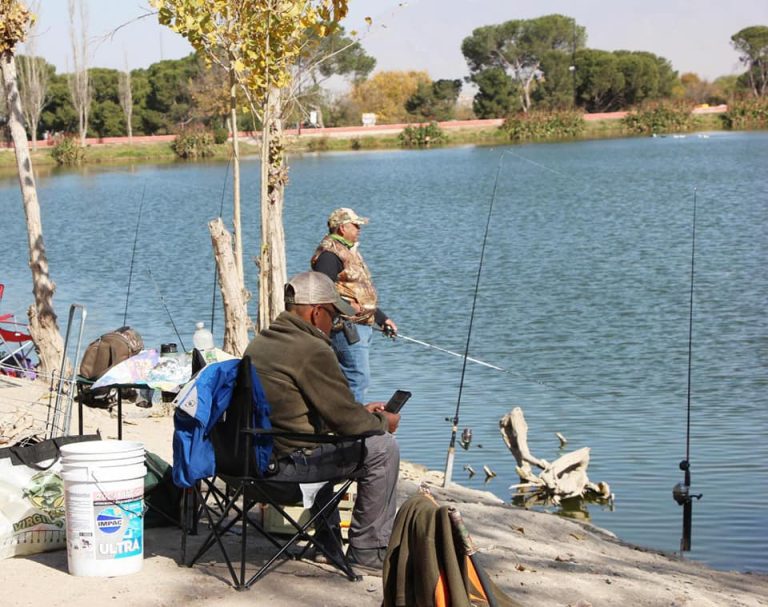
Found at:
<point>367,558</point>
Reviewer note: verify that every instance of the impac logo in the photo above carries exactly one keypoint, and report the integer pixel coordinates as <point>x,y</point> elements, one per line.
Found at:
<point>109,520</point>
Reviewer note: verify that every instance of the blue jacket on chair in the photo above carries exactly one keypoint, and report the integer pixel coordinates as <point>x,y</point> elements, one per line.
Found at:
<point>199,406</point>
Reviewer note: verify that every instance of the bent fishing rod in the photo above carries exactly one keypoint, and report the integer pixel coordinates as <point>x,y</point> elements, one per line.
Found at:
<point>682,491</point>
<point>133,256</point>
<point>455,422</point>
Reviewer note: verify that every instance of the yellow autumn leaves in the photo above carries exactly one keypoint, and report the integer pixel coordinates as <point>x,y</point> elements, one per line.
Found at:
<point>257,39</point>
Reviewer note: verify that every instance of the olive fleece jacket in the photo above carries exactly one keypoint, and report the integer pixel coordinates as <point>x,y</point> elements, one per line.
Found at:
<point>304,384</point>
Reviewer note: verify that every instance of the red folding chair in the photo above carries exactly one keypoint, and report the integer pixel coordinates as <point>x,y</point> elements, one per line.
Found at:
<point>15,344</point>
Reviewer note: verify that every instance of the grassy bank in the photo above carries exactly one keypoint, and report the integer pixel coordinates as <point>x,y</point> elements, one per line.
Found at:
<point>122,154</point>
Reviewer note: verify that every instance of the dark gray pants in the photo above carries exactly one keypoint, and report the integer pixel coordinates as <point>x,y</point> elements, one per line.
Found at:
<point>376,502</point>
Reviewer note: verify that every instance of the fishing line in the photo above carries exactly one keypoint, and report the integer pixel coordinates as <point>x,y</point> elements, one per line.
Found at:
<point>133,255</point>
<point>681,492</point>
<point>215,268</point>
<point>522,376</point>
<point>167,311</point>
<point>539,165</point>
<point>455,424</point>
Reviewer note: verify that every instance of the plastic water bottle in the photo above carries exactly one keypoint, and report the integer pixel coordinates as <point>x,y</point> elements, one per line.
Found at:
<point>202,339</point>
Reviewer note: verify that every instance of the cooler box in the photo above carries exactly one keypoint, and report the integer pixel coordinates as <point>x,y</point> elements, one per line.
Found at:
<point>275,523</point>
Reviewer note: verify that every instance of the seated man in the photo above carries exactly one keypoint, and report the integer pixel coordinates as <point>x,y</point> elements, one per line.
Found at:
<point>308,393</point>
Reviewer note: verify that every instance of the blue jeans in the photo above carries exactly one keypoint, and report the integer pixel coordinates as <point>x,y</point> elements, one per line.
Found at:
<point>353,359</point>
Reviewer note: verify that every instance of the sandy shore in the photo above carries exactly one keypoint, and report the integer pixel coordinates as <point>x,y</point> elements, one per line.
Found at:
<point>538,559</point>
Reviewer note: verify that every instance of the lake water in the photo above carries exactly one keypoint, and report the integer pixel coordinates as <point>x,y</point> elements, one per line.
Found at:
<point>583,300</point>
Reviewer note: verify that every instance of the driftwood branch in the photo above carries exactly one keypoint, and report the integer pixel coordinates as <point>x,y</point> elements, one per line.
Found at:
<point>514,431</point>
<point>564,478</point>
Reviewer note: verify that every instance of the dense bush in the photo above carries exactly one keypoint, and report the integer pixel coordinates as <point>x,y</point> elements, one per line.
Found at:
<point>421,135</point>
<point>220,135</point>
<point>543,125</point>
<point>67,151</point>
<point>747,114</point>
<point>194,142</point>
<point>660,118</point>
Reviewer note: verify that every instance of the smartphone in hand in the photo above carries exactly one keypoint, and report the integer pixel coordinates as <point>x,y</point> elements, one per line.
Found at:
<point>399,398</point>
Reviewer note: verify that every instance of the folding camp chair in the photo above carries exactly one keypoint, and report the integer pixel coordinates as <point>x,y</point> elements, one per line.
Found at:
<point>15,345</point>
<point>233,438</point>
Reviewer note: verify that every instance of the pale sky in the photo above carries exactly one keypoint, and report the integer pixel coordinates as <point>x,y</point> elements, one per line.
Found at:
<point>427,34</point>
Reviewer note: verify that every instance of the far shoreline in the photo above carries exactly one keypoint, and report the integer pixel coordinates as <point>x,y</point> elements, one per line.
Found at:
<point>149,149</point>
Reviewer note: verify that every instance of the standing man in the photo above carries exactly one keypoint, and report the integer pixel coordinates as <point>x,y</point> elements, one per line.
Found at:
<point>308,394</point>
<point>338,257</point>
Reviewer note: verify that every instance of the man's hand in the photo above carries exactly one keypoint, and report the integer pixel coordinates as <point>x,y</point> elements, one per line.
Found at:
<point>393,419</point>
<point>389,328</point>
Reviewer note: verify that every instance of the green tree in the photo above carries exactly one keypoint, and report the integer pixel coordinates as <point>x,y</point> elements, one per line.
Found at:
<point>59,115</point>
<point>496,95</point>
<point>555,88</point>
<point>435,100</point>
<point>752,45</point>
<point>518,47</point>
<point>646,77</point>
<point>168,93</point>
<point>106,117</point>
<point>599,81</point>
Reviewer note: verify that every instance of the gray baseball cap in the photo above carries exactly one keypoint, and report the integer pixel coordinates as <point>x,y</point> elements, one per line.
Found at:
<point>312,288</point>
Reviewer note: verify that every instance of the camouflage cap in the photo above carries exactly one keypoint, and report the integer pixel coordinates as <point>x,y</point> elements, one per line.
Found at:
<point>315,288</point>
<point>345,215</point>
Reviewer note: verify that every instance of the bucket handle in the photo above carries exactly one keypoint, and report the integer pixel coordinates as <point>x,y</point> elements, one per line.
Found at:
<point>130,513</point>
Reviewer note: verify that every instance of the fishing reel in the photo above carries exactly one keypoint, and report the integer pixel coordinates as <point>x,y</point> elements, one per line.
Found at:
<point>681,492</point>
<point>466,438</point>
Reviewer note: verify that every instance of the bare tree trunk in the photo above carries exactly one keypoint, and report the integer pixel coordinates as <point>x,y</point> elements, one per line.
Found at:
<point>274,176</point>
<point>126,100</point>
<point>79,84</point>
<point>237,225</point>
<point>43,325</point>
<point>235,313</point>
<point>33,82</point>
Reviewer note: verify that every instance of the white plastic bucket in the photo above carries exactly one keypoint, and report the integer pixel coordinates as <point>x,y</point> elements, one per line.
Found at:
<point>104,506</point>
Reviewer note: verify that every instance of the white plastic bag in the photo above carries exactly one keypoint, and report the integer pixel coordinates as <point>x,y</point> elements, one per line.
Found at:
<point>32,517</point>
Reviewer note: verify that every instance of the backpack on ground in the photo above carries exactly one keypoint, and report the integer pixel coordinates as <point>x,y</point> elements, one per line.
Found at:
<point>101,355</point>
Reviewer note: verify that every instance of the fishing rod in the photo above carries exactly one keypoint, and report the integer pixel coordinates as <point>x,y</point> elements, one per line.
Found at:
<point>455,423</point>
<point>478,361</point>
<point>167,311</point>
<point>215,267</point>
<point>133,256</point>
<point>681,492</point>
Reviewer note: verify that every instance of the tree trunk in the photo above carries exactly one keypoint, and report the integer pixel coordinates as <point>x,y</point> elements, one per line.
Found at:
<point>236,320</point>
<point>274,176</point>
<point>43,325</point>
<point>236,223</point>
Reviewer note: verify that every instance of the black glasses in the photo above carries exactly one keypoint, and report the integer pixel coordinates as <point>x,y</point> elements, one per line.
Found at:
<point>335,319</point>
